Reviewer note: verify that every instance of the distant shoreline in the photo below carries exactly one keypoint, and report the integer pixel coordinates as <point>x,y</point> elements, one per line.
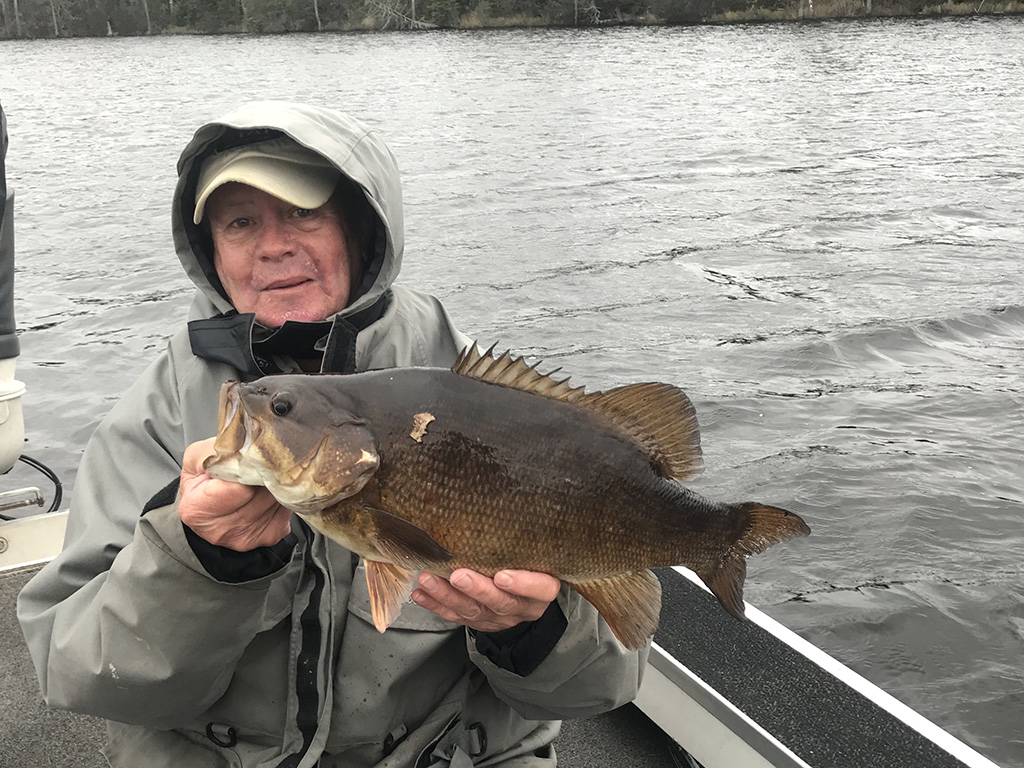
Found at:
<point>38,20</point>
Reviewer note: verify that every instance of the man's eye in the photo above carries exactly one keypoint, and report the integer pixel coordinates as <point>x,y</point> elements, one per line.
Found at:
<point>240,223</point>
<point>304,213</point>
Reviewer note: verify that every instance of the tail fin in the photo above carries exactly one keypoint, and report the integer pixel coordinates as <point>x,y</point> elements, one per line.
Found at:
<point>763,526</point>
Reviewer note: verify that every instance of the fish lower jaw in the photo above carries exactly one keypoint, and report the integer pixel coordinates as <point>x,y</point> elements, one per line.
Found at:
<point>245,471</point>
<point>304,507</point>
<point>232,471</point>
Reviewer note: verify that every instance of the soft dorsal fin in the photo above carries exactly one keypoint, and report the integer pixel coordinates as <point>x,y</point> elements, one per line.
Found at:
<point>659,417</point>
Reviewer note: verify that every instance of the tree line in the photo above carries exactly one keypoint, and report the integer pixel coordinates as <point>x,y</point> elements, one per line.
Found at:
<point>82,18</point>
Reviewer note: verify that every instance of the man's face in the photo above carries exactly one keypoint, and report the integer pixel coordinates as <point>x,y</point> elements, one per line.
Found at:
<point>276,260</point>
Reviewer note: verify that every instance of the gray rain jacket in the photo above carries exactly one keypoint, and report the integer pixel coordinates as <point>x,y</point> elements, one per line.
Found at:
<point>271,658</point>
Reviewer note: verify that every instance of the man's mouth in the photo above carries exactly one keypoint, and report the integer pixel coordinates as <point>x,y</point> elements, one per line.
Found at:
<point>284,284</point>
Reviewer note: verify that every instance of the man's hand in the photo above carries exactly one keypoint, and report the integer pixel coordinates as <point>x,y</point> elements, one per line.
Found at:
<point>239,517</point>
<point>484,604</point>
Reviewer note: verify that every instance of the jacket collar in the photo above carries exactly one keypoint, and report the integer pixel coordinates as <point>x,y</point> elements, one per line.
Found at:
<point>237,340</point>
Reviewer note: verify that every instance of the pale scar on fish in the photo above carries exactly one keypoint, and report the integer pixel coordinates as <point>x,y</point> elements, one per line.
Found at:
<point>419,426</point>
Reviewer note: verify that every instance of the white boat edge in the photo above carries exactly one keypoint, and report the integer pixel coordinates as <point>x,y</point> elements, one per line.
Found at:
<point>673,688</point>
<point>30,541</point>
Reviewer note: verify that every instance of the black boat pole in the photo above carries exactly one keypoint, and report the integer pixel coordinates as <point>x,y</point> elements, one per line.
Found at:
<point>9,348</point>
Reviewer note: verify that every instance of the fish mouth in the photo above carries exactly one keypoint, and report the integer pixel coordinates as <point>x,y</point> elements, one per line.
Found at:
<point>235,429</point>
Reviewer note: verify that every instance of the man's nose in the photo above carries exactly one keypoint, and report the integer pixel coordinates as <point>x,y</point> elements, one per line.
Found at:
<point>275,239</point>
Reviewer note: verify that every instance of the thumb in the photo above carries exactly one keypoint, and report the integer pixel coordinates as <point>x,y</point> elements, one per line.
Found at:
<point>195,455</point>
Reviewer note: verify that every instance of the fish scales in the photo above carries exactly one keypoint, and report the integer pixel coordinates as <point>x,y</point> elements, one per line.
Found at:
<point>485,487</point>
<point>492,466</point>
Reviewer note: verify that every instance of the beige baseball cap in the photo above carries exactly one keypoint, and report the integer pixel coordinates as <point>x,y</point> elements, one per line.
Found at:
<point>280,167</point>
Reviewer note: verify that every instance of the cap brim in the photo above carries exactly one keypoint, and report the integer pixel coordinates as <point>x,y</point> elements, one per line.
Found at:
<point>308,182</point>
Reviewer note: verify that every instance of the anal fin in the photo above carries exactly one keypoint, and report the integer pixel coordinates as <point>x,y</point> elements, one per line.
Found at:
<point>389,586</point>
<point>630,603</point>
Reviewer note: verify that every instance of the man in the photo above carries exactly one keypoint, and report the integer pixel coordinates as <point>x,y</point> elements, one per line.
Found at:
<point>204,621</point>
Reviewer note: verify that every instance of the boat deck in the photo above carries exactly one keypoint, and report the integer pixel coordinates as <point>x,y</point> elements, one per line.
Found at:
<point>735,694</point>
<point>34,735</point>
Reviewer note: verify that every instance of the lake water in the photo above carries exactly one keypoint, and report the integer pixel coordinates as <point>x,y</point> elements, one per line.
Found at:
<point>815,229</point>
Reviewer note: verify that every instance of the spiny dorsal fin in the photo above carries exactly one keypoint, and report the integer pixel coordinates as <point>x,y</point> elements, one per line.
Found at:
<point>661,418</point>
<point>514,372</point>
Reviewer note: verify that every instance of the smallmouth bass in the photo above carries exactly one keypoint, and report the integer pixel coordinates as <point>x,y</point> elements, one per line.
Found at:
<point>491,466</point>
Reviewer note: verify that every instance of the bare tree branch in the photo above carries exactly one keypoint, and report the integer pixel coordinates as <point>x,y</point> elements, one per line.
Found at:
<point>391,13</point>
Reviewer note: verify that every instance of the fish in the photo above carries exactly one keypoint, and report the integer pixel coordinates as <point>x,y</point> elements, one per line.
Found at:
<point>492,465</point>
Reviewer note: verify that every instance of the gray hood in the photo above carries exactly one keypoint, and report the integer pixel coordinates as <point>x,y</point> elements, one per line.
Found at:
<point>357,151</point>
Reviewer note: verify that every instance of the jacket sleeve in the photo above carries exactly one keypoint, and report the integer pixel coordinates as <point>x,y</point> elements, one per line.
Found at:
<point>125,623</point>
<point>587,672</point>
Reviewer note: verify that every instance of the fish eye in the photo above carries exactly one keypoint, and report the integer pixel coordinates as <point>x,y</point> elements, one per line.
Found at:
<point>281,403</point>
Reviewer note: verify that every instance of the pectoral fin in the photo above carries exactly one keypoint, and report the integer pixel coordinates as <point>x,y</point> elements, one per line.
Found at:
<point>629,602</point>
<point>408,548</point>
<point>389,586</point>
<point>401,542</point>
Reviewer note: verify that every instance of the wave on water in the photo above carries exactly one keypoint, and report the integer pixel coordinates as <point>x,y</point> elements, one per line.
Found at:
<point>973,337</point>
<point>899,342</point>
